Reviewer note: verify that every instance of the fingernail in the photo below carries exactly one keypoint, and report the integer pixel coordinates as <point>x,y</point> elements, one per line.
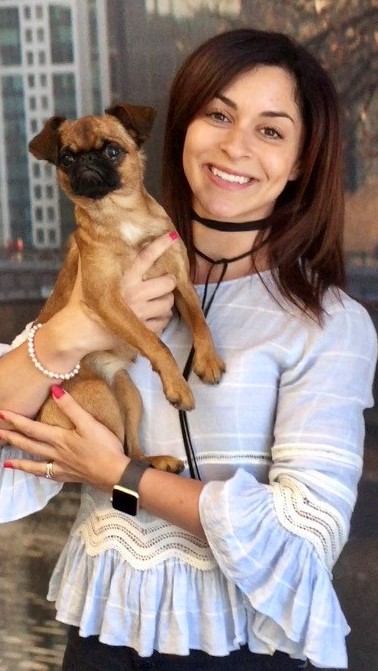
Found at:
<point>174,235</point>
<point>57,391</point>
<point>8,464</point>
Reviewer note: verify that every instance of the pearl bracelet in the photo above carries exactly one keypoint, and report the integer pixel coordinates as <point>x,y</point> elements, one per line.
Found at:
<point>37,363</point>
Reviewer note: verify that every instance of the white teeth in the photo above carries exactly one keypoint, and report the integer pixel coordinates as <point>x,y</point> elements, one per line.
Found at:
<point>238,179</point>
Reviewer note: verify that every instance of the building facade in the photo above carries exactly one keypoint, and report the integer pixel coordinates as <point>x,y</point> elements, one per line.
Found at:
<point>53,60</point>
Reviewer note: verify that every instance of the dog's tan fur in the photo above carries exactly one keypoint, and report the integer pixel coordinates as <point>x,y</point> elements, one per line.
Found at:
<point>110,232</point>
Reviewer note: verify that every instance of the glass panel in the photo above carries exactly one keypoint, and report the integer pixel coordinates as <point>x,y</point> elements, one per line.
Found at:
<point>10,39</point>
<point>64,95</point>
<point>16,157</point>
<point>61,34</point>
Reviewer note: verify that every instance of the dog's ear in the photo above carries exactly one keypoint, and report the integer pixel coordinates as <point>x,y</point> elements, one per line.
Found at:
<point>45,145</point>
<point>137,120</point>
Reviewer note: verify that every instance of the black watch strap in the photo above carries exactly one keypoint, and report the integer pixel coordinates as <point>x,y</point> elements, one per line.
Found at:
<point>125,496</point>
<point>132,474</point>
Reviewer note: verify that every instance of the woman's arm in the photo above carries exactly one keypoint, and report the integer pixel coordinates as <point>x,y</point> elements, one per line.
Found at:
<point>71,334</point>
<point>91,453</point>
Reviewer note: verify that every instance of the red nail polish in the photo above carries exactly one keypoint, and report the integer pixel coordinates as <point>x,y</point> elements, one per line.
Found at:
<point>57,391</point>
<point>174,235</point>
<point>1,416</point>
<point>8,464</point>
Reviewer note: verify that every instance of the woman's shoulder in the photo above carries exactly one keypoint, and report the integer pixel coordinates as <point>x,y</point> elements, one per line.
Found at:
<point>349,321</point>
<point>338,303</point>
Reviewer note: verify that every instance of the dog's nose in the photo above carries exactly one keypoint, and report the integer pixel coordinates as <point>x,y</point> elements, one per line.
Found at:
<point>89,157</point>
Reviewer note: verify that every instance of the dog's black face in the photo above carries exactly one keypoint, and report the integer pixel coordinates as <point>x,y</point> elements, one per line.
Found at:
<point>94,173</point>
<point>96,155</point>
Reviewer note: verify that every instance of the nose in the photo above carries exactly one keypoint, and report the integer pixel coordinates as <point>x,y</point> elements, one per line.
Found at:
<point>237,142</point>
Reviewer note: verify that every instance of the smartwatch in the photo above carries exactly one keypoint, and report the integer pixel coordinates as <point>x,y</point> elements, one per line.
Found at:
<point>125,496</point>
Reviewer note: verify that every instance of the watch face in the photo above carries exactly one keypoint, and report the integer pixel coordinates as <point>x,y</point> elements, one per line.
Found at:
<point>125,500</point>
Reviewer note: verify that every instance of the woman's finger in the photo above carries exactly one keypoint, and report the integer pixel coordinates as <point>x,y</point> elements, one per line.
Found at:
<point>151,252</point>
<point>29,428</point>
<point>42,469</point>
<point>149,289</point>
<point>30,445</point>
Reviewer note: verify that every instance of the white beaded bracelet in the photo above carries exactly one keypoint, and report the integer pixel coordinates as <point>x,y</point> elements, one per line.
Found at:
<point>37,363</point>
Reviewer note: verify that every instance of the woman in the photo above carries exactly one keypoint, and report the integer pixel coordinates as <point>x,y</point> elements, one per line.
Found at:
<point>229,568</point>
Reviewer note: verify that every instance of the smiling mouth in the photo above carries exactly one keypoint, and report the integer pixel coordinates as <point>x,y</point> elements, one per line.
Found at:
<point>228,177</point>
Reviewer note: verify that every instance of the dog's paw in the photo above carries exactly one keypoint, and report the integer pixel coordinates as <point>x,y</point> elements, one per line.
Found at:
<point>166,463</point>
<point>179,394</point>
<point>209,368</point>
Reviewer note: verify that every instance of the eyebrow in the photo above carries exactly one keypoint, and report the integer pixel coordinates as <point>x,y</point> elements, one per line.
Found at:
<point>269,113</point>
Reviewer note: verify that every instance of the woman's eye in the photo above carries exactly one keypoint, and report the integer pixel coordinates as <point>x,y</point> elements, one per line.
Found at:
<point>112,151</point>
<point>272,133</point>
<point>217,116</point>
<point>66,159</point>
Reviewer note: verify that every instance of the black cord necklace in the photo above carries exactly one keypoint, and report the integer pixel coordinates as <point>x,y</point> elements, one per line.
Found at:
<point>206,305</point>
<point>230,227</point>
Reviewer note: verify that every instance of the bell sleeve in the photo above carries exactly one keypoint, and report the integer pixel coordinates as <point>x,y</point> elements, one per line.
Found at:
<point>21,493</point>
<point>279,541</point>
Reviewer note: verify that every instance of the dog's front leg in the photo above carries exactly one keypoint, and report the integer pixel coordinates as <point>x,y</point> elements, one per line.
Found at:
<point>124,324</point>
<point>206,363</point>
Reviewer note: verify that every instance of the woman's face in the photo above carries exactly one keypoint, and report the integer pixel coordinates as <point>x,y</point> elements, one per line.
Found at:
<point>244,146</point>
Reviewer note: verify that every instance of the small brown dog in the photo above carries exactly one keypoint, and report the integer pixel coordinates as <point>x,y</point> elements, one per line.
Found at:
<point>100,168</point>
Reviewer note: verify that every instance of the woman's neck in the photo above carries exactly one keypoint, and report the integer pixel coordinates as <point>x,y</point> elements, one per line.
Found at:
<point>226,245</point>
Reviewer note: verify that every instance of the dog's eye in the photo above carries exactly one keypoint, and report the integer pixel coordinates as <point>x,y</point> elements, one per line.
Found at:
<point>113,151</point>
<point>66,159</point>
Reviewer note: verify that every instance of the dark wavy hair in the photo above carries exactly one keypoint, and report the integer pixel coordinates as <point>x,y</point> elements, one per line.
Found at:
<point>305,240</point>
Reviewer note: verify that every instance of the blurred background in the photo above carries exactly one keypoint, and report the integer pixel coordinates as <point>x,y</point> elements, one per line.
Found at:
<point>75,57</point>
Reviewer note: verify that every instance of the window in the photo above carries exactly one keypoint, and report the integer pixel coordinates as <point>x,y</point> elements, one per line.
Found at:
<point>61,34</point>
<point>44,103</point>
<point>49,192</point>
<point>28,35</point>
<point>40,236</point>
<point>29,57</point>
<point>31,81</point>
<point>64,95</point>
<point>40,34</point>
<point>52,236</point>
<point>32,103</point>
<point>38,192</point>
<point>10,39</point>
<point>27,13</point>
<point>50,214</point>
<point>41,57</point>
<point>36,170</point>
<point>33,126</point>
<point>43,80</point>
<point>38,214</point>
<point>38,12</point>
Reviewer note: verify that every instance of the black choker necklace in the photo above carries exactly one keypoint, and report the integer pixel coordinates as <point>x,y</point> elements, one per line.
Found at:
<point>230,227</point>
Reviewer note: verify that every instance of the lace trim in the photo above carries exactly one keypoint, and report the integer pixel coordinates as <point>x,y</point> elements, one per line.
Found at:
<point>300,512</point>
<point>143,542</point>
<point>218,457</point>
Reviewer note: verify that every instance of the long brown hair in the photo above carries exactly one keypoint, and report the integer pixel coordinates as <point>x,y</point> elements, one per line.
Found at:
<point>305,240</point>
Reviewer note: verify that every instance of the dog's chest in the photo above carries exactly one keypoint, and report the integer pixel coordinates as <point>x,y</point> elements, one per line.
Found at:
<point>132,233</point>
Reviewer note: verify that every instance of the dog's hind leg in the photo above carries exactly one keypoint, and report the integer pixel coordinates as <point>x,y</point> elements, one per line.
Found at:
<point>93,395</point>
<point>130,402</point>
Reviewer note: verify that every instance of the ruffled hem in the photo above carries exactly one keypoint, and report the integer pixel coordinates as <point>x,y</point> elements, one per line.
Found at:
<point>171,608</point>
<point>22,494</point>
<point>295,606</point>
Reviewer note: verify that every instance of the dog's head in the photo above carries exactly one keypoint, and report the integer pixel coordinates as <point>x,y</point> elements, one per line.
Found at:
<point>96,155</point>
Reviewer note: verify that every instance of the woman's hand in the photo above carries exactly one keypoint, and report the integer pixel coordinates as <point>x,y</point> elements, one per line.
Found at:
<point>150,299</point>
<point>87,453</point>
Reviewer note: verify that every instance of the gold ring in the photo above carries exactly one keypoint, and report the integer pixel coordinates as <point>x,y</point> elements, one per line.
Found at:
<point>49,473</point>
